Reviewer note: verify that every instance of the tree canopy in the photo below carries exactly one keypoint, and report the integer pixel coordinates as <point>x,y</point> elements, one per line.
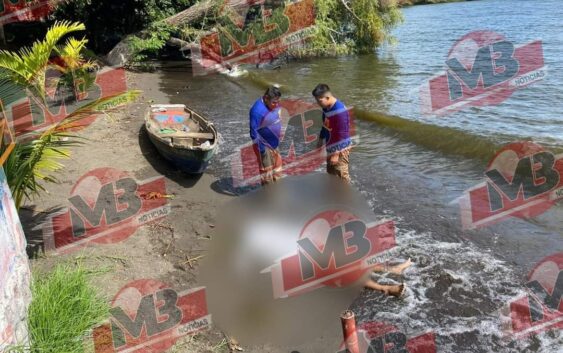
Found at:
<point>341,26</point>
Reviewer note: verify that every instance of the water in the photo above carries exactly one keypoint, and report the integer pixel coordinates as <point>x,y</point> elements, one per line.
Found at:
<point>411,167</point>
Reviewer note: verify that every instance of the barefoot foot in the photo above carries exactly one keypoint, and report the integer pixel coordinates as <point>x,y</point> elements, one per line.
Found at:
<point>396,291</point>
<point>398,269</point>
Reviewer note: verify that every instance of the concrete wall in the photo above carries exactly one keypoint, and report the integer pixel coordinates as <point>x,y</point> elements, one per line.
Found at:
<point>15,275</point>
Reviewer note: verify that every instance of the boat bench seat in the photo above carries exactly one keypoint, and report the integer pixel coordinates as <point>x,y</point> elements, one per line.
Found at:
<point>183,134</point>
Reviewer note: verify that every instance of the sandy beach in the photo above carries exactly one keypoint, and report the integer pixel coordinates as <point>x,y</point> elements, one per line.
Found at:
<point>168,249</point>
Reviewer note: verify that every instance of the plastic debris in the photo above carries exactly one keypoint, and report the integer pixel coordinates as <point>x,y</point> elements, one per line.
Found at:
<point>153,195</point>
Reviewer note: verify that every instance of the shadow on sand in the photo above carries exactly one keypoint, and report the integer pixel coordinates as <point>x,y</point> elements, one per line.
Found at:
<point>225,186</point>
<point>33,222</point>
<point>161,165</point>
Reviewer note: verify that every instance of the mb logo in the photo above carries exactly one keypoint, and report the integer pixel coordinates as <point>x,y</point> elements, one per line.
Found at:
<point>493,64</point>
<point>482,68</point>
<point>25,10</point>
<point>333,249</point>
<point>522,180</point>
<point>253,32</point>
<point>106,206</point>
<point>147,316</point>
<point>29,116</point>
<point>542,308</point>
<point>379,337</point>
<point>302,122</point>
<point>528,180</point>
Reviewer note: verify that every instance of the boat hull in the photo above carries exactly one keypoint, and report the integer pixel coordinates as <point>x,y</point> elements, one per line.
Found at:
<point>191,161</point>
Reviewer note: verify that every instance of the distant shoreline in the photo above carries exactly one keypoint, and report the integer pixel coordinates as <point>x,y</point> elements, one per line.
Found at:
<point>407,3</point>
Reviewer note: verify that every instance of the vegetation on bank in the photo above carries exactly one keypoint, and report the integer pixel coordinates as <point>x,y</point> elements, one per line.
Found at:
<point>64,309</point>
<point>341,26</point>
<point>32,162</point>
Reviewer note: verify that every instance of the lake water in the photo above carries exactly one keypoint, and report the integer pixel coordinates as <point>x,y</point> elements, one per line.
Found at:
<point>411,167</point>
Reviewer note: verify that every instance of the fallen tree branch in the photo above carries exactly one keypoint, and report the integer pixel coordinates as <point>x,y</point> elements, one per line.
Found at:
<point>121,54</point>
<point>177,42</point>
<point>190,14</point>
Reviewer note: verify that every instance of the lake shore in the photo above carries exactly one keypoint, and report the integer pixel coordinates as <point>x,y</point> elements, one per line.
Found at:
<point>167,250</point>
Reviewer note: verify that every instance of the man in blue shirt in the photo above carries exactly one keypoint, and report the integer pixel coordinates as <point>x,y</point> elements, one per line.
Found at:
<point>335,132</point>
<point>265,131</point>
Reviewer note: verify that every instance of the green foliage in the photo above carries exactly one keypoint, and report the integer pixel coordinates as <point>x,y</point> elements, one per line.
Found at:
<point>228,29</point>
<point>152,41</point>
<point>32,163</point>
<point>347,27</point>
<point>28,66</point>
<point>63,310</point>
<point>373,24</point>
<point>342,26</point>
<point>75,69</point>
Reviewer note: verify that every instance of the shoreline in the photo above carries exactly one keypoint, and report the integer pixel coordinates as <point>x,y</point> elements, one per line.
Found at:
<point>160,250</point>
<point>157,250</point>
<point>163,250</point>
<point>409,3</point>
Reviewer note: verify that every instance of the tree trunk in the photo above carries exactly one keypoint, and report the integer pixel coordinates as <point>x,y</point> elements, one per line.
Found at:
<point>191,14</point>
<point>121,54</point>
<point>2,36</point>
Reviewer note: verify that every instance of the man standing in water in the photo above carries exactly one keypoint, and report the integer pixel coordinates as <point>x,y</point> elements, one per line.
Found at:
<point>335,132</point>
<point>265,130</point>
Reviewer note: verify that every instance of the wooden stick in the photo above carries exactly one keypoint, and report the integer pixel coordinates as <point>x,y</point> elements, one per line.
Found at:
<point>182,134</point>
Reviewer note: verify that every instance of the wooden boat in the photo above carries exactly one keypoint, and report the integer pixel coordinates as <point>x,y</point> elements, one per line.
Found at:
<point>181,136</point>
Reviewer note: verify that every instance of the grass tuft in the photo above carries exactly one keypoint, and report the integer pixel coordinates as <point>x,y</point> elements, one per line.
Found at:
<point>64,309</point>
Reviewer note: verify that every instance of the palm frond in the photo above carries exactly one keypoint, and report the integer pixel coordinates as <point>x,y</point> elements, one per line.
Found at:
<point>71,54</point>
<point>13,67</point>
<point>10,92</point>
<point>28,66</point>
<point>34,162</point>
<point>102,105</point>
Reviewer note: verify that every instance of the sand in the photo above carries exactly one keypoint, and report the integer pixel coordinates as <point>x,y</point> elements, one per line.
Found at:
<point>161,250</point>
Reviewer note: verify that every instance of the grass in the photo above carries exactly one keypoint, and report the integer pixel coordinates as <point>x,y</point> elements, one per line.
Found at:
<point>64,309</point>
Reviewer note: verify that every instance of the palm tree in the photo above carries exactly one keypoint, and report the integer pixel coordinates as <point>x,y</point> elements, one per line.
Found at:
<point>33,162</point>
<point>74,67</point>
<point>28,66</point>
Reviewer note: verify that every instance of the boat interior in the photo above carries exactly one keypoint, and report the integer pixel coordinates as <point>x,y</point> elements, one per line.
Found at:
<point>181,127</point>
